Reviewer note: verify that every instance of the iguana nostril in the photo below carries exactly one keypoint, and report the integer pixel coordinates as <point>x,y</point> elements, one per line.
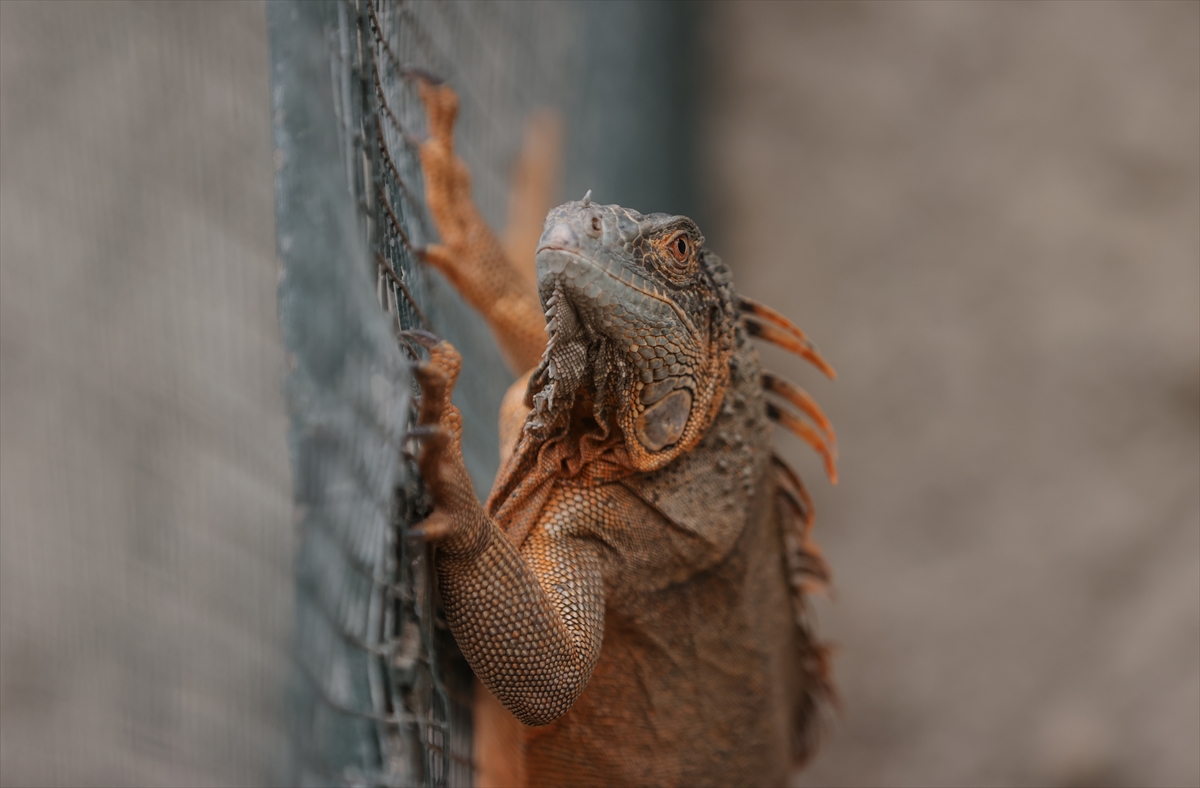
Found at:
<point>560,236</point>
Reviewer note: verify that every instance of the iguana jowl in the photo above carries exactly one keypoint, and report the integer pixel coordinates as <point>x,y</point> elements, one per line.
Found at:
<point>634,587</point>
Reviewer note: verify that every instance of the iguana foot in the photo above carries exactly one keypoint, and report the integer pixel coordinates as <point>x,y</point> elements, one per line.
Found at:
<point>469,254</point>
<point>439,430</point>
<point>447,182</point>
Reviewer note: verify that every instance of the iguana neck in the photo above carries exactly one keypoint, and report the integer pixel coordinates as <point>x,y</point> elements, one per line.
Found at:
<point>709,491</point>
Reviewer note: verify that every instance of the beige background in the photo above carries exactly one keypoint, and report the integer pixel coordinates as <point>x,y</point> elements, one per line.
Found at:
<point>985,214</point>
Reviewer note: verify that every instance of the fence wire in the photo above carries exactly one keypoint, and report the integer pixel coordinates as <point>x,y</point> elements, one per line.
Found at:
<point>381,695</point>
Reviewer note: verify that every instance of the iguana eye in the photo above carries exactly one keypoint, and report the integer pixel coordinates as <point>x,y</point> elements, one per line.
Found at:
<point>680,248</point>
<point>675,255</point>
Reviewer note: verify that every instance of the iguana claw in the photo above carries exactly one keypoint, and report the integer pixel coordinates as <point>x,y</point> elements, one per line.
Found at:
<point>421,336</point>
<point>433,528</point>
<point>424,432</point>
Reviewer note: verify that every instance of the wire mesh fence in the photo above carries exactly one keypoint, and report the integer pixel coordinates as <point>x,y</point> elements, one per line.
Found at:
<point>381,695</point>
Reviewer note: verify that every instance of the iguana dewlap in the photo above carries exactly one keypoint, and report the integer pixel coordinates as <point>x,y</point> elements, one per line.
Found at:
<point>634,589</point>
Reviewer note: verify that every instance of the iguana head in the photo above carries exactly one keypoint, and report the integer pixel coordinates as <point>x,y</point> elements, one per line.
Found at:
<point>641,318</point>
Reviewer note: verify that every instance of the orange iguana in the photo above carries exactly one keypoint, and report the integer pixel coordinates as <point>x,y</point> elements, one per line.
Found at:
<point>634,589</point>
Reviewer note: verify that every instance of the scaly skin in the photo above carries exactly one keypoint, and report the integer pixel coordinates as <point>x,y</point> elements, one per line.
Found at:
<point>634,589</point>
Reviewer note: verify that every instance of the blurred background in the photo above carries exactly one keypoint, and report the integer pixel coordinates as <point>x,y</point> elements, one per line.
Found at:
<point>987,215</point>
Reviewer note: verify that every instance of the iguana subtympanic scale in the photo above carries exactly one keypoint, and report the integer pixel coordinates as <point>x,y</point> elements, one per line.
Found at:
<point>634,588</point>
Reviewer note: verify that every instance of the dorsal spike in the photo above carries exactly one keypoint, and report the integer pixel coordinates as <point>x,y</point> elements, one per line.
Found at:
<point>788,341</point>
<point>587,198</point>
<point>802,400</point>
<point>809,571</point>
<point>747,304</point>
<point>806,433</point>
<point>791,486</point>
<point>764,317</point>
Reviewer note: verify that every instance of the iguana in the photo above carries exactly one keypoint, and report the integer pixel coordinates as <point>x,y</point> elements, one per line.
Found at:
<point>634,589</point>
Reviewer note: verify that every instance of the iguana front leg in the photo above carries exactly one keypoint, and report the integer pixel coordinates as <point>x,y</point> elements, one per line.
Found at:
<point>470,254</point>
<point>530,622</point>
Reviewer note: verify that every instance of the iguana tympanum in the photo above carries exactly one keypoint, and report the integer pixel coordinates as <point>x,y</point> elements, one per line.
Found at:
<point>633,591</point>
